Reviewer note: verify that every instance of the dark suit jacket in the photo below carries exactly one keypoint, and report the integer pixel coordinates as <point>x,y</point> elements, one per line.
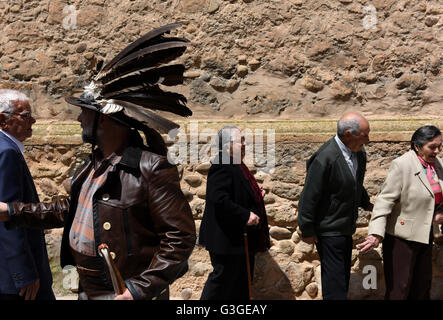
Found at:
<point>229,201</point>
<point>23,255</point>
<point>330,198</point>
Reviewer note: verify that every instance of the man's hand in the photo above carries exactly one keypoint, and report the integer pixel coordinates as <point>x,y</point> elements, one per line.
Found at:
<point>124,296</point>
<point>30,291</point>
<point>310,240</point>
<point>253,219</point>
<point>4,216</point>
<point>372,241</point>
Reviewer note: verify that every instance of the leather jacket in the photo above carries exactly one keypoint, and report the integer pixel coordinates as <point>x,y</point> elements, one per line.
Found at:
<point>140,213</point>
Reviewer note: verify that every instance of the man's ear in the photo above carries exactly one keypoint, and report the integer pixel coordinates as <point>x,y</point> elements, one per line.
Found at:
<point>348,134</point>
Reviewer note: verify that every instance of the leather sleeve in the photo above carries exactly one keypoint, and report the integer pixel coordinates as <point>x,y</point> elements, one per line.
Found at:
<point>172,221</point>
<point>44,215</point>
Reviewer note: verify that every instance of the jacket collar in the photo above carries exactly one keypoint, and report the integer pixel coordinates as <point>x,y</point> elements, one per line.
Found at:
<point>17,144</point>
<point>345,164</point>
<point>419,171</point>
<point>131,157</point>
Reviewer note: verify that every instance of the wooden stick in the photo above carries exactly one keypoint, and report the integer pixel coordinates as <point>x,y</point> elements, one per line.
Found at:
<point>117,280</point>
<point>248,267</point>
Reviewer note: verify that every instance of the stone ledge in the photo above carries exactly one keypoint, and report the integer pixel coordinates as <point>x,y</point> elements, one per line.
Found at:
<point>286,131</point>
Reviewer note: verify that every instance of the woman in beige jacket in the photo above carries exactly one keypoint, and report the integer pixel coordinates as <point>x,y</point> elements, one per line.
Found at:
<point>403,214</point>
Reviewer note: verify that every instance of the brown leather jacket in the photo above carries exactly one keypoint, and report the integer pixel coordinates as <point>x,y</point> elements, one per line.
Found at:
<point>140,213</point>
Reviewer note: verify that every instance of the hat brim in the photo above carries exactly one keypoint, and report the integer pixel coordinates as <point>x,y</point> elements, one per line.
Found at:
<point>119,117</point>
<point>81,103</point>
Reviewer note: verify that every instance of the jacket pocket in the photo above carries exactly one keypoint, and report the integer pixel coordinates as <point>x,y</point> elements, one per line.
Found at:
<point>403,227</point>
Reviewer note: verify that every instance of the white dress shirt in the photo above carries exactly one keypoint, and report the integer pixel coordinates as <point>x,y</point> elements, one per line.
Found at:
<point>349,155</point>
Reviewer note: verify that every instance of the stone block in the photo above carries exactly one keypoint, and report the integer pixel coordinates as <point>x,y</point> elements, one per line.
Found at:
<point>279,233</point>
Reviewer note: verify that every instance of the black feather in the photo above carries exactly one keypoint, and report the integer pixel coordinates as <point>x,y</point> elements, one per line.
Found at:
<point>145,58</point>
<point>146,117</point>
<point>170,75</point>
<point>158,100</point>
<point>141,42</point>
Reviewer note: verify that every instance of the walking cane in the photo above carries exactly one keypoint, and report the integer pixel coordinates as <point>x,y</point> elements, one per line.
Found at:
<point>248,267</point>
<point>117,280</point>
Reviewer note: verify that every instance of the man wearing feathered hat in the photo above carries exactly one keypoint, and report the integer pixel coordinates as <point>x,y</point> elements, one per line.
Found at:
<point>126,194</point>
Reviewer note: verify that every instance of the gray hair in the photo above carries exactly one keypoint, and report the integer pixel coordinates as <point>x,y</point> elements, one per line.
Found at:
<point>7,98</point>
<point>353,125</point>
<point>224,136</point>
<point>223,139</point>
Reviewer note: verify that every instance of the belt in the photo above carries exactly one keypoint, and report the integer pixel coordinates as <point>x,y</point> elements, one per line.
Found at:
<point>88,272</point>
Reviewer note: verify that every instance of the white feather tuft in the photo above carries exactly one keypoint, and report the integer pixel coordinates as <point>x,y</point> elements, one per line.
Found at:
<point>110,106</point>
<point>92,89</point>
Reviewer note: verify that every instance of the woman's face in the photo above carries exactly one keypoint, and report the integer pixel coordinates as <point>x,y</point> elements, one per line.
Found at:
<point>237,149</point>
<point>430,149</point>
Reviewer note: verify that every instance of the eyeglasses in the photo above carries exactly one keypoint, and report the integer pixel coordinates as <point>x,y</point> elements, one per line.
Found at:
<point>25,116</point>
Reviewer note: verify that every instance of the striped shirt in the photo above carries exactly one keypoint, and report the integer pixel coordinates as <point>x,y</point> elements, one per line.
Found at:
<point>81,236</point>
<point>431,174</point>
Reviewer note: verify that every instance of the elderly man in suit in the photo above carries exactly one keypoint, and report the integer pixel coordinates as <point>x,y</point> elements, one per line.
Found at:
<point>328,206</point>
<point>24,266</point>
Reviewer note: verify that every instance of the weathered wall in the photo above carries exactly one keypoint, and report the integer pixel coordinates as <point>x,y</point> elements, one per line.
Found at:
<point>290,270</point>
<point>249,60</point>
<point>292,59</point>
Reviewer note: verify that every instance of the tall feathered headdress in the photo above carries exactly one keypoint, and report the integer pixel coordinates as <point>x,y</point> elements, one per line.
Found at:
<point>129,83</point>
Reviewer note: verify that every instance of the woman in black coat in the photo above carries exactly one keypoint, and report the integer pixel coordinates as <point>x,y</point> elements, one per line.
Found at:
<point>234,203</point>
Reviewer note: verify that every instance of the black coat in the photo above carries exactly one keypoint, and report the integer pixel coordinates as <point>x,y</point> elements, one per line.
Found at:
<point>330,198</point>
<point>229,201</point>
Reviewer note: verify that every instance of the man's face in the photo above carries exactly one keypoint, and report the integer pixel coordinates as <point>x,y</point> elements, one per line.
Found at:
<point>356,143</point>
<point>86,119</point>
<point>20,121</point>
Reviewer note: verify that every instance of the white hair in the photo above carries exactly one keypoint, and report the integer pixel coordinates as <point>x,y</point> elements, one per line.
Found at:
<point>7,97</point>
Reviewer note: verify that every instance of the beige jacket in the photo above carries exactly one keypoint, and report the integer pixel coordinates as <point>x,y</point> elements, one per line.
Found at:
<point>405,206</point>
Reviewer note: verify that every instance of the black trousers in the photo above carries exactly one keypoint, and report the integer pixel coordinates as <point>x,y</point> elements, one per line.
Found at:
<point>335,257</point>
<point>229,279</point>
<point>408,269</point>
